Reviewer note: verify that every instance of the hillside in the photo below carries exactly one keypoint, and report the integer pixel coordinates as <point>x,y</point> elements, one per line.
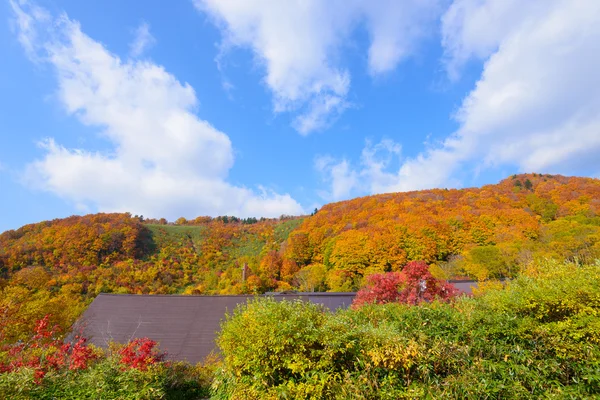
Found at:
<point>481,232</point>
<point>490,232</point>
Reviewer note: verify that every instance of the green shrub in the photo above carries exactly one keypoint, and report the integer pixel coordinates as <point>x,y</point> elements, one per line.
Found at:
<point>537,336</point>
<point>272,347</point>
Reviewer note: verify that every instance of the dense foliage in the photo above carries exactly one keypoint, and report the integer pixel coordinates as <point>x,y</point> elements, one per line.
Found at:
<point>45,367</point>
<point>413,285</point>
<point>488,232</point>
<point>538,337</point>
<point>57,267</point>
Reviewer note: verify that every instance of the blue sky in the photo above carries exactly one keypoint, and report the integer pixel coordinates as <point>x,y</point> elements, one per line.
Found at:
<point>263,108</point>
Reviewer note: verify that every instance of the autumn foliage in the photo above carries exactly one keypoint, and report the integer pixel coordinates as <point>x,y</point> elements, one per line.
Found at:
<point>45,352</point>
<point>488,232</point>
<point>46,367</point>
<point>413,285</point>
<point>140,353</point>
<point>399,247</point>
<point>535,337</point>
<point>58,267</point>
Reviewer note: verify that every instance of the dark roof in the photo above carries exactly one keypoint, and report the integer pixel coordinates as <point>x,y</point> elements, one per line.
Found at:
<point>464,286</point>
<point>184,326</point>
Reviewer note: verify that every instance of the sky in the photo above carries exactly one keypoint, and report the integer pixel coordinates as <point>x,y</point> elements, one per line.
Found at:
<point>268,107</point>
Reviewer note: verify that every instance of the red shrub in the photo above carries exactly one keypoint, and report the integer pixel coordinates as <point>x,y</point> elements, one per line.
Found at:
<point>414,284</point>
<point>140,353</point>
<point>381,288</point>
<point>55,354</point>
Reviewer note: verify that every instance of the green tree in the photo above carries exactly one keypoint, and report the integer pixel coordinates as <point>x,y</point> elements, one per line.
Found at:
<point>487,262</point>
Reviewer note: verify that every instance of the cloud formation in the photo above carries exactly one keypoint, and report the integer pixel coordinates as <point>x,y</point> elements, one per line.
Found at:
<point>370,177</point>
<point>299,44</point>
<point>142,41</point>
<point>535,106</point>
<point>164,161</point>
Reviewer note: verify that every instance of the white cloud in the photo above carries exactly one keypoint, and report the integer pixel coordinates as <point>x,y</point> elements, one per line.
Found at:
<point>339,175</point>
<point>395,28</point>
<point>321,112</point>
<point>299,43</point>
<point>370,177</point>
<point>142,41</point>
<point>165,161</point>
<point>475,29</point>
<point>536,105</point>
<point>24,24</point>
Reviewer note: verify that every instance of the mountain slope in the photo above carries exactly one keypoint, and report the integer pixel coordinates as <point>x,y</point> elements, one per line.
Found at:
<point>492,230</point>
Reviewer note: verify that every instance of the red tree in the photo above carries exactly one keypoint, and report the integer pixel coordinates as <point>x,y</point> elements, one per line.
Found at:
<point>413,285</point>
<point>46,352</point>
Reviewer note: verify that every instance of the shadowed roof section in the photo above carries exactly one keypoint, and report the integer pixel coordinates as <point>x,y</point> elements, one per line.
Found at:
<point>184,326</point>
<point>464,286</point>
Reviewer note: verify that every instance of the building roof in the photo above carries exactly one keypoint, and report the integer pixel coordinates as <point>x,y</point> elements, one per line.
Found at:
<point>185,326</point>
<point>464,286</point>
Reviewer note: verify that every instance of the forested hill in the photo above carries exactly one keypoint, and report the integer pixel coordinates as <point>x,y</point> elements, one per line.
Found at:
<point>490,232</point>
<point>479,232</point>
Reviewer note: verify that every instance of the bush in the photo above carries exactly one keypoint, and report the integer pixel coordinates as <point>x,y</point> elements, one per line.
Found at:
<point>107,380</point>
<point>537,336</point>
<point>273,348</point>
<point>413,285</point>
<point>46,368</point>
